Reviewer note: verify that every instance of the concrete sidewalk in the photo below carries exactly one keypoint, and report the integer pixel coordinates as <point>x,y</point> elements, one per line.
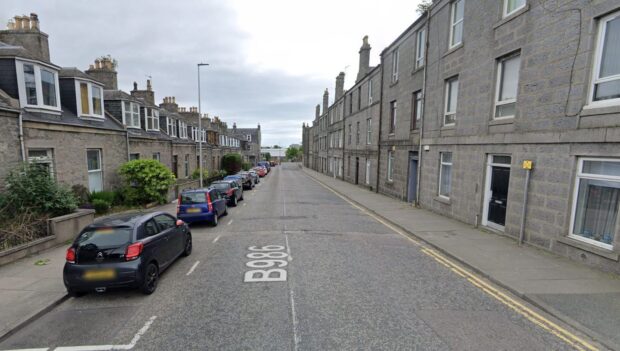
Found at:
<point>581,296</point>
<point>33,285</point>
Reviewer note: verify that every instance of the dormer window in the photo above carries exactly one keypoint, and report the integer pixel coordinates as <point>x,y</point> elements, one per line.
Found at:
<point>131,114</point>
<point>38,86</point>
<point>89,97</point>
<point>172,130</point>
<point>152,119</point>
<point>182,130</point>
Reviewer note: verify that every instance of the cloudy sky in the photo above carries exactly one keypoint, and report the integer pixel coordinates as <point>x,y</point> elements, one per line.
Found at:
<point>270,60</point>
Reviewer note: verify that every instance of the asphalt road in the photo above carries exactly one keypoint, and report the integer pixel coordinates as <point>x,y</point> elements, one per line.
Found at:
<point>351,283</point>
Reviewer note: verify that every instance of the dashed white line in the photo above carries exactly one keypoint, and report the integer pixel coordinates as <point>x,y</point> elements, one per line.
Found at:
<point>191,270</point>
<point>288,249</point>
<point>216,239</point>
<point>230,222</point>
<point>144,329</point>
<point>244,204</point>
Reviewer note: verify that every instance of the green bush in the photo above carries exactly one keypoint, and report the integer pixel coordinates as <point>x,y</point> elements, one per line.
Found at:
<point>101,206</point>
<point>145,181</point>
<point>30,187</point>
<point>81,194</point>
<point>196,174</point>
<point>246,166</point>
<point>231,163</point>
<point>107,196</point>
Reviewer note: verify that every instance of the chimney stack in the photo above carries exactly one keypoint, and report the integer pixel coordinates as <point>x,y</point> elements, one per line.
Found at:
<point>317,113</point>
<point>148,85</point>
<point>325,101</point>
<point>34,21</point>
<point>169,104</point>
<point>364,59</point>
<point>339,86</point>
<point>104,70</point>
<point>24,31</point>
<point>147,95</point>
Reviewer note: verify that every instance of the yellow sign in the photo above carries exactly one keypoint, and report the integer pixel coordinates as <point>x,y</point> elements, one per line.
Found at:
<point>527,164</point>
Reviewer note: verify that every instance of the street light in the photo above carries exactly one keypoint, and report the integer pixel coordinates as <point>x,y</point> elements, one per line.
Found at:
<point>200,125</point>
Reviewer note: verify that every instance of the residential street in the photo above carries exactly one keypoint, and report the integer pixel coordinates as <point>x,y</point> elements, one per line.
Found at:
<point>351,283</point>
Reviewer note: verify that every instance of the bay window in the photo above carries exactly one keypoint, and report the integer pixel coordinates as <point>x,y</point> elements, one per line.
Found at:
<point>38,86</point>
<point>131,114</point>
<point>90,99</point>
<point>605,89</point>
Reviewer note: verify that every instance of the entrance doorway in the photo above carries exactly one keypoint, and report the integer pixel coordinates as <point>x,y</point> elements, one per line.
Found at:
<point>412,184</point>
<point>496,191</point>
<point>357,170</point>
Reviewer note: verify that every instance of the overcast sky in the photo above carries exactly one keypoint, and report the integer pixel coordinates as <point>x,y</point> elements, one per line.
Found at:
<point>270,60</point>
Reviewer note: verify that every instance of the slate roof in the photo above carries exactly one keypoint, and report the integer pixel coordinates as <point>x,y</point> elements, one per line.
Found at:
<point>68,118</point>
<point>242,132</point>
<point>114,95</point>
<point>72,72</point>
<point>16,51</point>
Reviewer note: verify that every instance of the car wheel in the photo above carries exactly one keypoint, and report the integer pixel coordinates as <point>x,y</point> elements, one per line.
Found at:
<point>151,278</point>
<point>225,210</point>
<point>241,198</point>
<point>76,294</point>
<point>188,245</point>
<point>234,201</point>
<point>215,220</point>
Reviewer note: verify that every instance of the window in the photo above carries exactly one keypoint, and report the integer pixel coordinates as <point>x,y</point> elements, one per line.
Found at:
<point>367,172</point>
<point>368,131</point>
<point>350,133</point>
<point>452,93</point>
<point>182,130</point>
<point>416,111</point>
<point>445,174</point>
<point>369,92</point>
<point>156,156</point>
<point>456,23</point>
<point>512,6</point>
<point>390,169</point>
<point>172,127</point>
<point>351,103</point>
<point>165,222</point>
<point>507,86</point>
<point>131,114</point>
<point>420,48</point>
<point>186,166</point>
<point>152,119</point>
<point>595,208</point>
<point>357,134</point>
<point>44,158</point>
<point>393,111</point>
<point>38,86</point>
<point>359,98</point>
<point>134,156</point>
<point>606,74</point>
<point>95,171</point>
<point>89,97</point>
<point>395,66</point>
<point>249,137</point>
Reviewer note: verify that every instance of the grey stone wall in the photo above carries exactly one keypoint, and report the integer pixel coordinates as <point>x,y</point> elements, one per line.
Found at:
<point>10,153</point>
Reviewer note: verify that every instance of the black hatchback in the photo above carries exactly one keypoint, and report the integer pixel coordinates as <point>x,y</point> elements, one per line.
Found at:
<point>126,250</point>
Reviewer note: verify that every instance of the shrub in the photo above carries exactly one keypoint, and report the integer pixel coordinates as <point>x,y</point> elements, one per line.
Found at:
<point>246,166</point>
<point>101,206</point>
<point>30,187</point>
<point>231,163</point>
<point>81,194</point>
<point>196,174</point>
<point>107,196</point>
<point>146,181</point>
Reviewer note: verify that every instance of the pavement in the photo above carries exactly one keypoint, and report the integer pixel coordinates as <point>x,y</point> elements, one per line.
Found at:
<point>297,267</point>
<point>582,296</point>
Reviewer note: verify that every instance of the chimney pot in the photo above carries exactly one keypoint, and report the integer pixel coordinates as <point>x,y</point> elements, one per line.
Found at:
<point>26,22</point>
<point>135,86</point>
<point>148,85</point>
<point>11,24</point>
<point>174,100</point>
<point>34,21</point>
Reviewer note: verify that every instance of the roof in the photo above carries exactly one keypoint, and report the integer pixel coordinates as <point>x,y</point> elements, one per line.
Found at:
<point>72,72</point>
<point>16,51</point>
<point>242,132</point>
<point>111,95</point>
<point>141,133</point>
<point>69,118</point>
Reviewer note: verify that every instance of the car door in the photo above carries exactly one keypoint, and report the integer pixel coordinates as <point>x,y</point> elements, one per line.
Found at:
<point>168,227</point>
<point>219,202</point>
<point>155,242</point>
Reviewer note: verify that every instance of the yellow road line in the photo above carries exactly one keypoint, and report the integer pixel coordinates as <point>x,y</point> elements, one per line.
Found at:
<point>563,334</point>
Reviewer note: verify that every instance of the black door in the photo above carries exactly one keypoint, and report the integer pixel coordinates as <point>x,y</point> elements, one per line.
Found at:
<point>412,185</point>
<point>175,164</point>
<point>500,177</point>
<point>357,170</point>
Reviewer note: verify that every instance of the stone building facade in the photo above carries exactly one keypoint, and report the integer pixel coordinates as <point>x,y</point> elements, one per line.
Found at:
<point>488,92</point>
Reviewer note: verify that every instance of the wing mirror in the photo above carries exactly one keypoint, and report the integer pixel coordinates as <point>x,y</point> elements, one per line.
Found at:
<point>180,223</point>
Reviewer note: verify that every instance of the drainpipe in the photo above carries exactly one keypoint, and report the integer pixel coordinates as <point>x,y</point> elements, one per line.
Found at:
<point>421,129</point>
<point>21,136</point>
<point>380,127</point>
<point>525,191</point>
<point>127,141</point>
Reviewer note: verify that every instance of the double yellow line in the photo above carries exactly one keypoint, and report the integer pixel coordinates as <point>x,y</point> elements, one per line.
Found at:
<point>553,328</point>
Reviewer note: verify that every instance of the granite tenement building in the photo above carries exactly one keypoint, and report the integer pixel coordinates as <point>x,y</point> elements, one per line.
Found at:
<point>483,102</point>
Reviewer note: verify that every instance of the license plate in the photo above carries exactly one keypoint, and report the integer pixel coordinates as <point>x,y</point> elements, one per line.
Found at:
<point>193,210</point>
<point>104,274</point>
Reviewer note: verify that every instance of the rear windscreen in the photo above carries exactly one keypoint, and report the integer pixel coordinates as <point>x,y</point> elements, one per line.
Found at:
<point>221,186</point>
<point>105,237</point>
<point>193,198</point>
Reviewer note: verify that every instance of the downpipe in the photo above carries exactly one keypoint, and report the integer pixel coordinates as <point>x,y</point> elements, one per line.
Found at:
<point>21,136</point>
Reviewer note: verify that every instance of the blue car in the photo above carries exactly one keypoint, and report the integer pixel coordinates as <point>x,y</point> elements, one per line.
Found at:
<point>265,164</point>
<point>202,205</point>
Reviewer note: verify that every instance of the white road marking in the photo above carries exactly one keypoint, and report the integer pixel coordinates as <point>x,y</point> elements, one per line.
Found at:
<point>288,249</point>
<point>216,239</point>
<point>191,270</point>
<point>230,222</point>
<point>41,349</point>
<point>91,347</point>
<point>143,330</point>
<point>296,337</point>
<point>244,204</point>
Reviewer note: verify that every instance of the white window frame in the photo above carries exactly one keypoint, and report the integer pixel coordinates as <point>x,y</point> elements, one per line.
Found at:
<point>498,82</point>
<point>48,159</point>
<point>182,130</point>
<point>133,113</point>
<point>171,124</point>
<point>390,165</point>
<point>581,175</point>
<point>420,48</point>
<point>602,28</point>
<point>395,60</point>
<point>454,23</point>
<point>368,131</point>
<point>367,172</point>
<point>21,84</point>
<point>369,92</point>
<point>157,156</point>
<point>392,126</point>
<point>448,93</point>
<point>99,170</point>
<point>78,97</point>
<point>508,13</point>
<point>441,164</point>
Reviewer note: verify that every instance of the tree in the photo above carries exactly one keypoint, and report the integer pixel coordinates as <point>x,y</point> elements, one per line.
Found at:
<point>267,156</point>
<point>277,147</point>
<point>146,181</point>
<point>292,153</point>
<point>232,163</point>
<point>424,6</point>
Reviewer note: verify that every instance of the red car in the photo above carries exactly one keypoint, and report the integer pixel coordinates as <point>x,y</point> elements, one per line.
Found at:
<point>261,171</point>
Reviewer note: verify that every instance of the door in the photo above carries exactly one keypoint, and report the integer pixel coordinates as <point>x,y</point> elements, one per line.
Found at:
<point>168,227</point>
<point>357,170</point>
<point>156,241</point>
<point>412,184</point>
<point>496,197</point>
<point>175,165</point>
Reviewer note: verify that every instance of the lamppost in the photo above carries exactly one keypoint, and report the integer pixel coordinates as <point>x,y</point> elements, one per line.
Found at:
<point>200,125</point>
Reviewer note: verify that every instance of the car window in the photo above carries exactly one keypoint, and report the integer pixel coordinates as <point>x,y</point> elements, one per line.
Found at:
<point>193,198</point>
<point>165,222</point>
<point>221,186</point>
<point>105,237</point>
<point>215,195</point>
<point>150,228</point>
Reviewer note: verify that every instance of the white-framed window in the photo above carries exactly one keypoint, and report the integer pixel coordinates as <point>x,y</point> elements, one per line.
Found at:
<point>186,165</point>
<point>172,126</point>
<point>367,172</point>
<point>596,201</point>
<point>368,131</point>
<point>420,48</point>
<point>89,99</point>
<point>357,133</point>
<point>369,92</point>
<point>38,86</point>
<point>417,110</point>
<point>152,119</point>
<point>157,156</point>
<point>395,66</point>
<point>204,136</point>
<point>43,158</point>
<point>390,165</point>
<point>95,170</point>
<point>605,90</point>
<point>451,97</point>
<point>182,130</point>
<point>456,22</point>
<point>131,114</point>
<point>512,6</point>
<point>445,174</point>
<point>393,113</point>
<point>507,86</point>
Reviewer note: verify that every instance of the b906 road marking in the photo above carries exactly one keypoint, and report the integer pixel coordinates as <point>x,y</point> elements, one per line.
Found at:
<point>266,257</point>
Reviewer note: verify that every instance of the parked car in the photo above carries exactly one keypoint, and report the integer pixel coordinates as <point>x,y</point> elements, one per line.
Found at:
<point>202,205</point>
<point>265,164</point>
<point>230,189</point>
<point>260,170</point>
<point>255,176</point>
<point>125,250</point>
<point>236,178</point>
<point>273,163</point>
<point>248,180</point>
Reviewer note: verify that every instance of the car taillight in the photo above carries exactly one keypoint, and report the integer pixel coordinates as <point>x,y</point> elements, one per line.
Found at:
<point>209,202</point>
<point>133,251</point>
<point>70,257</point>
